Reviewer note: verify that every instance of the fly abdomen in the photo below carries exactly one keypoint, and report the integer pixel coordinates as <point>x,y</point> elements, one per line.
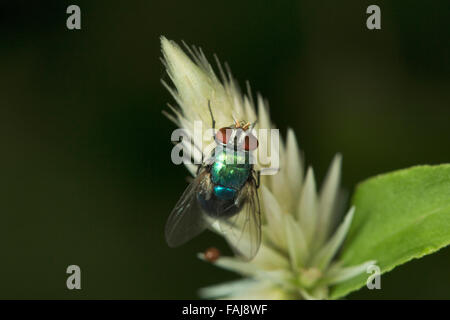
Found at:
<point>227,178</point>
<point>216,207</point>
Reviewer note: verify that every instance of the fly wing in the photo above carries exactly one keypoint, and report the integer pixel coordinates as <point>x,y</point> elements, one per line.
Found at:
<point>186,220</point>
<point>243,230</point>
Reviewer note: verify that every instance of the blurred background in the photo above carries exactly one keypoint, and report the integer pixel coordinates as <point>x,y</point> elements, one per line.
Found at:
<point>86,176</point>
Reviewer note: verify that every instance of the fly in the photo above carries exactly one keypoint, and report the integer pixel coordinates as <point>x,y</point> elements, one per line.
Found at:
<point>224,192</point>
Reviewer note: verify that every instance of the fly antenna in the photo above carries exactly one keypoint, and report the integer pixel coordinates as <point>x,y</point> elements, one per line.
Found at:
<point>246,126</point>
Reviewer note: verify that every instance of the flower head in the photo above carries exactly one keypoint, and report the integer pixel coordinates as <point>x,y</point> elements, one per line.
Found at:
<point>301,232</point>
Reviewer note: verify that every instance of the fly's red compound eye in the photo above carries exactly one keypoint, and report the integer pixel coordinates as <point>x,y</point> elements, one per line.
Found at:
<point>223,135</point>
<point>250,142</point>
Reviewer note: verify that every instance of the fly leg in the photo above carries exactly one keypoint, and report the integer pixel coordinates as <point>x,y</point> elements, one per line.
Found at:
<point>213,122</point>
<point>258,178</point>
<point>212,117</point>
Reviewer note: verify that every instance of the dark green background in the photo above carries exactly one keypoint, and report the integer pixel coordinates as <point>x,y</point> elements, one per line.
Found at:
<point>86,176</point>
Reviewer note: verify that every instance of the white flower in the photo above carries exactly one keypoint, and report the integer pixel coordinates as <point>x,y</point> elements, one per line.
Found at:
<point>300,232</point>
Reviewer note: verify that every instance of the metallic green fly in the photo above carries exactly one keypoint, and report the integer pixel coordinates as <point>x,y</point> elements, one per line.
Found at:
<point>223,194</point>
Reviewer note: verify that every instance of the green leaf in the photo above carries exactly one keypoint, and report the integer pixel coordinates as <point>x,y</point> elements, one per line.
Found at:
<point>399,216</point>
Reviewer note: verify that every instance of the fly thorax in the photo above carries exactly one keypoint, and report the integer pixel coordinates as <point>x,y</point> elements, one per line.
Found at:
<point>231,169</point>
